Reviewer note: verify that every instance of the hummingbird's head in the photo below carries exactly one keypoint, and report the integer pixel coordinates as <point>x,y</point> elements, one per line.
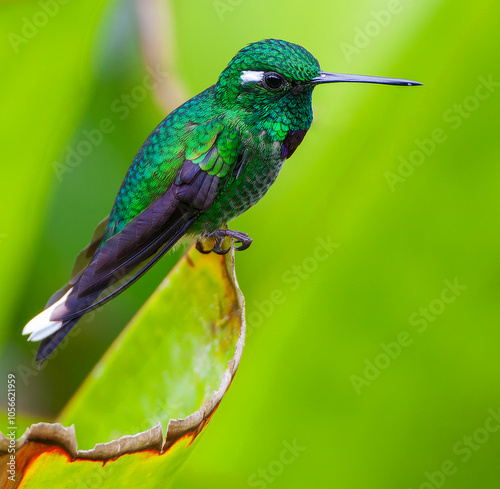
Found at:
<point>269,78</point>
<point>271,66</point>
<point>273,80</point>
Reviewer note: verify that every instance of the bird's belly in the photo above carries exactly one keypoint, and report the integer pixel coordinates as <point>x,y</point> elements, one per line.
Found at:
<point>242,193</point>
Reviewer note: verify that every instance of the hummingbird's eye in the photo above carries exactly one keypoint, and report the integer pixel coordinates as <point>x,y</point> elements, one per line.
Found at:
<point>273,81</point>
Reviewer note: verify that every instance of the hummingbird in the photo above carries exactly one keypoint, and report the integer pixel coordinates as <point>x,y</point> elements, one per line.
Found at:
<point>207,162</point>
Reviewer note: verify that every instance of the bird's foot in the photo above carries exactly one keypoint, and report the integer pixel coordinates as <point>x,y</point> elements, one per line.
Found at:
<point>219,235</point>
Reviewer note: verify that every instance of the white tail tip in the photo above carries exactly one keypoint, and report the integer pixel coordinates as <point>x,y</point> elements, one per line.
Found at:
<point>41,326</point>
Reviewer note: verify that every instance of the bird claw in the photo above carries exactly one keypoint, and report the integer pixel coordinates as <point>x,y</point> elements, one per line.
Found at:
<point>219,235</point>
<point>218,248</point>
<point>244,244</point>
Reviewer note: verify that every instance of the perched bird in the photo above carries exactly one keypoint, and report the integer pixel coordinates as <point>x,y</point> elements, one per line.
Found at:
<point>206,162</point>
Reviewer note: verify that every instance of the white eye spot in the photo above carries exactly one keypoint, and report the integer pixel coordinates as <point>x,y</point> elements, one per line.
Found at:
<point>251,76</point>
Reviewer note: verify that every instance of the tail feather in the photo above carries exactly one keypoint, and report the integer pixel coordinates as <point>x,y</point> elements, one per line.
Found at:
<point>49,344</point>
<point>42,325</point>
<point>52,331</point>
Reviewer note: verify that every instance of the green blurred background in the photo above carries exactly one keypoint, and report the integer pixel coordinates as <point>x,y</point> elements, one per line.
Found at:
<point>403,182</point>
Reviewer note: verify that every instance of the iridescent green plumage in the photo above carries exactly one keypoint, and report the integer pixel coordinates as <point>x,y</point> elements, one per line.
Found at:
<point>234,118</point>
<point>206,163</point>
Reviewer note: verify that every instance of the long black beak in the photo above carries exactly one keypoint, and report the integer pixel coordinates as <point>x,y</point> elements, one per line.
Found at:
<point>342,77</point>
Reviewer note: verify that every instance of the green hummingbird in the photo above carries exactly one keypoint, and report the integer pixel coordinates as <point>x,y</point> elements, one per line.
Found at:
<point>206,163</point>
